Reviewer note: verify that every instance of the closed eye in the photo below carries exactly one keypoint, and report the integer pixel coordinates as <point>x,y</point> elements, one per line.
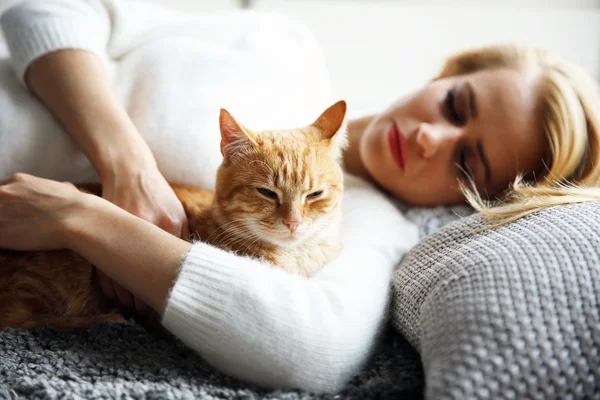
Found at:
<point>267,193</point>
<point>315,194</point>
<point>450,105</point>
<point>462,166</point>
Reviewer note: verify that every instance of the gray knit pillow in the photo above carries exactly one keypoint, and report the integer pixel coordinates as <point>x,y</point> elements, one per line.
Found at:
<point>506,313</point>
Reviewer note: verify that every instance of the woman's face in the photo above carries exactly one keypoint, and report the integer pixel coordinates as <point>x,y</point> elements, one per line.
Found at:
<point>482,124</point>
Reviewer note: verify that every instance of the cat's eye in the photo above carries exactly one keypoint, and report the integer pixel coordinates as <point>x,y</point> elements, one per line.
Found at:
<point>315,194</point>
<point>267,193</point>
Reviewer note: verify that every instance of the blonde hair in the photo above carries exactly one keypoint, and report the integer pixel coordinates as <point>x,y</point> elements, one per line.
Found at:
<point>570,111</point>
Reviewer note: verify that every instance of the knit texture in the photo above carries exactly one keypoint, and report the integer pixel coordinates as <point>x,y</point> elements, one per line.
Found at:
<point>126,361</point>
<point>506,313</point>
<point>111,361</point>
<point>172,72</point>
<point>276,329</point>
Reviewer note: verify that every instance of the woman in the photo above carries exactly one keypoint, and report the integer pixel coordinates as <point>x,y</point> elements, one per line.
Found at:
<point>492,115</point>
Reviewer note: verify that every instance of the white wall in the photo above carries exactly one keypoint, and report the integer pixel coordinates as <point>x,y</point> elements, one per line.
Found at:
<point>198,5</point>
<point>505,3</point>
<point>379,49</point>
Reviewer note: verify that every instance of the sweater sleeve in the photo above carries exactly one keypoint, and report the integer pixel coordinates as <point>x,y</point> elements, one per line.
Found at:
<point>263,325</point>
<point>107,28</point>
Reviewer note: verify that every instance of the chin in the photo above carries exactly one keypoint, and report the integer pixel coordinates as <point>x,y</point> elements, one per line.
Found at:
<point>285,241</point>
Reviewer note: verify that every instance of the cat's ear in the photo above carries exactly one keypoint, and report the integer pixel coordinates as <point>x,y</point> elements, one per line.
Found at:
<point>234,137</point>
<point>332,125</point>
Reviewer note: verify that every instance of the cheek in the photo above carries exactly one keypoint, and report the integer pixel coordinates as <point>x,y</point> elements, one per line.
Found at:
<point>267,212</point>
<point>245,204</point>
<point>321,210</point>
<point>373,152</point>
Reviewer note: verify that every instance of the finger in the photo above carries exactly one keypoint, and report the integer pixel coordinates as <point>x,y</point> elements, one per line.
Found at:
<point>141,307</point>
<point>185,228</point>
<point>124,296</point>
<point>170,225</point>
<point>19,176</point>
<point>66,183</point>
<point>106,285</point>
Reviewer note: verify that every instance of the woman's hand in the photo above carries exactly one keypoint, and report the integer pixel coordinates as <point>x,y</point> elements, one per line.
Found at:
<point>33,212</point>
<point>76,88</point>
<point>40,214</point>
<point>145,193</point>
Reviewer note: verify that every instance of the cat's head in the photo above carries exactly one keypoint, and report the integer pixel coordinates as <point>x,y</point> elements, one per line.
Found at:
<point>282,187</point>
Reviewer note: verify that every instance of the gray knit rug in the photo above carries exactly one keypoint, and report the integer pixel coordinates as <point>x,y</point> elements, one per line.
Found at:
<point>111,361</point>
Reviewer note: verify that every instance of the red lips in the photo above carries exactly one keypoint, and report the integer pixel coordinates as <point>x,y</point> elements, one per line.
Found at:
<point>397,145</point>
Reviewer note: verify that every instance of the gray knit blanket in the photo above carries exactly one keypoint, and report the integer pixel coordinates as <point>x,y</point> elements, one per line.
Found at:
<point>111,361</point>
<point>506,313</point>
<point>509,313</point>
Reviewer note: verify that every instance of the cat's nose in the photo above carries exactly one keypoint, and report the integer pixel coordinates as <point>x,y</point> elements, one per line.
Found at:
<point>292,224</point>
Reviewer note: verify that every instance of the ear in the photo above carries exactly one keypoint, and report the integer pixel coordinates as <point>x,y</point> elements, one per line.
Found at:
<point>234,137</point>
<point>332,119</point>
<point>332,126</point>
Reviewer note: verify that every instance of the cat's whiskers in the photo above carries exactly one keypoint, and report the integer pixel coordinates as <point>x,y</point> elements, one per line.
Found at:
<point>226,226</point>
<point>320,224</point>
<point>249,236</point>
<point>252,243</point>
<point>290,163</point>
<point>235,234</point>
<point>228,237</point>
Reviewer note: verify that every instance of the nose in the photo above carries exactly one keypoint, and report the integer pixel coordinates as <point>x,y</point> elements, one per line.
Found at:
<point>292,224</point>
<point>431,138</point>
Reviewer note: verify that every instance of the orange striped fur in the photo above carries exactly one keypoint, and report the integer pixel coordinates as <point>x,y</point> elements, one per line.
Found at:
<point>277,198</point>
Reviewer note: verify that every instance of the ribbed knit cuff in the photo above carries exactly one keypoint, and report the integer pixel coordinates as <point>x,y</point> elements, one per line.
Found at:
<point>200,298</point>
<point>29,42</point>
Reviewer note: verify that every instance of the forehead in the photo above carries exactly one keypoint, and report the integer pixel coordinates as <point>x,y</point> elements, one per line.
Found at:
<point>288,158</point>
<point>506,93</point>
<point>508,121</point>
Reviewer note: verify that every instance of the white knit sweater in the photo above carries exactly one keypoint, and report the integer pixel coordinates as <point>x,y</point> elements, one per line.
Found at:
<point>172,73</point>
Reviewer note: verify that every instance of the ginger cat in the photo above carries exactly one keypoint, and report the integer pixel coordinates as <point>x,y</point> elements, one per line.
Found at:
<point>277,197</point>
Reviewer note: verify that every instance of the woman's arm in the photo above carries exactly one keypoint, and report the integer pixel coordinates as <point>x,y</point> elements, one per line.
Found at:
<point>60,48</point>
<point>110,29</point>
<point>245,317</point>
<point>135,253</point>
<point>257,322</point>
<point>74,85</point>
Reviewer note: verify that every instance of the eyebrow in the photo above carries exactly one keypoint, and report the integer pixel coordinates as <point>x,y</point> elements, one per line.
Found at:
<point>484,160</point>
<point>472,100</point>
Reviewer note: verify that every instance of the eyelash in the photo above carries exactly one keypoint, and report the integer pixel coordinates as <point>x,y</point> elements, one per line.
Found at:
<point>267,193</point>
<point>272,195</point>
<point>451,108</point>
<point>456,118</point>
<point>462,165</point>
